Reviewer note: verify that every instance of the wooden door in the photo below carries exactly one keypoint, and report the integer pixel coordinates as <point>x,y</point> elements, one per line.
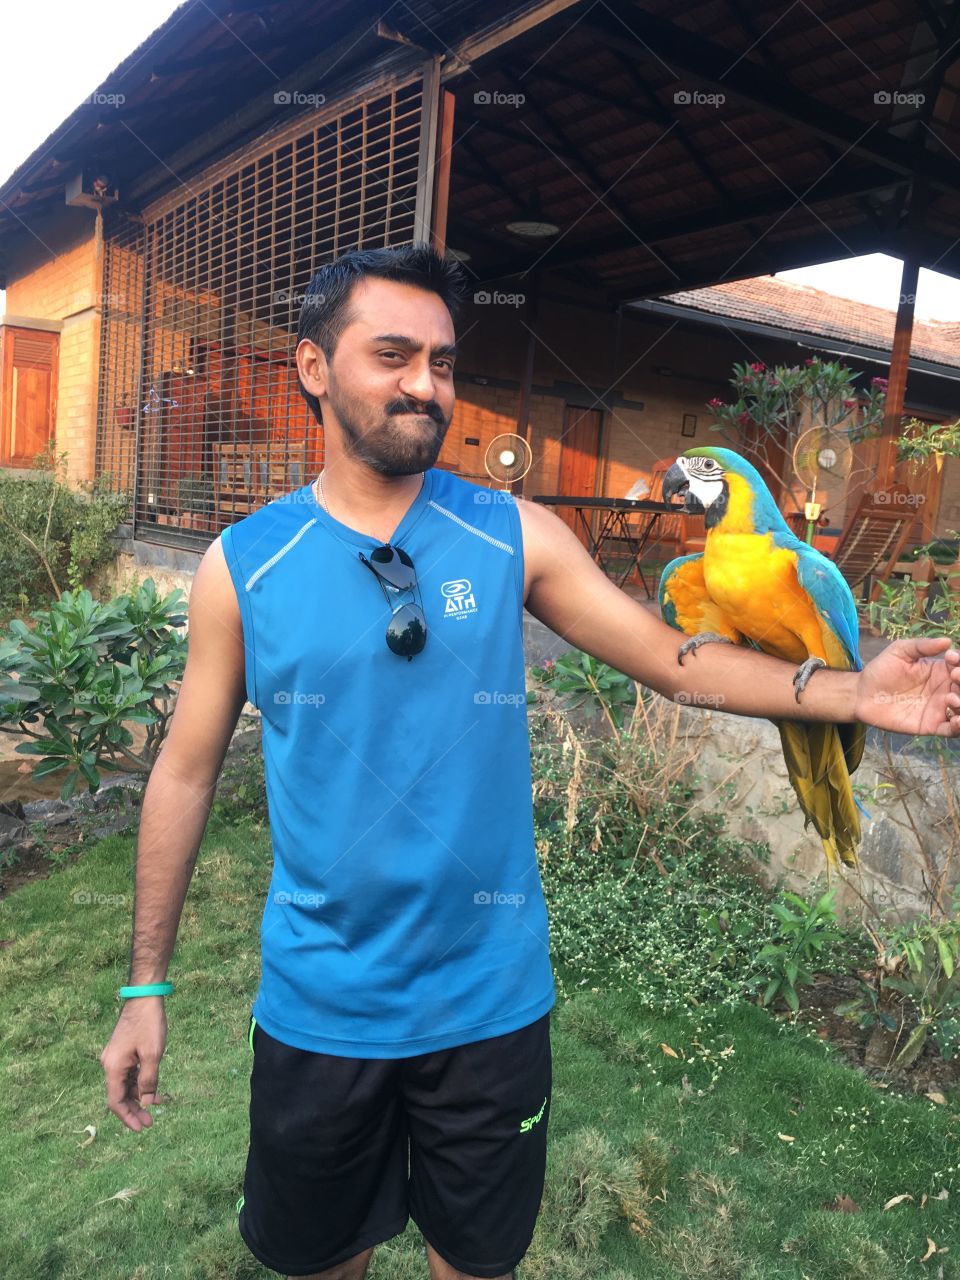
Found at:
<point>579,452</point>
<point>28,394</point>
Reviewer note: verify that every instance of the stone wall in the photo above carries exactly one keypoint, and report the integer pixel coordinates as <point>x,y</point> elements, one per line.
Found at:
<point>906,840</point>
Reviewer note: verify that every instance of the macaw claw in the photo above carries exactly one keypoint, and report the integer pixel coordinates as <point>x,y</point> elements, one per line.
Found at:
<point>694,643</point>
<point>804,672</point>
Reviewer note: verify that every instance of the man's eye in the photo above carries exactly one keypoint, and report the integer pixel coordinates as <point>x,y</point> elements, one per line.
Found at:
<point>447,364</point>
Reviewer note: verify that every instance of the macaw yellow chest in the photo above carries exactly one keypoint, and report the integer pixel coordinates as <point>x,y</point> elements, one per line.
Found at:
<point>755,583</point>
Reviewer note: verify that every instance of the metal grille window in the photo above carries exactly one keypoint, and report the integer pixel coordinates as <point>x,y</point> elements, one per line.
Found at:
<point>200,414</point>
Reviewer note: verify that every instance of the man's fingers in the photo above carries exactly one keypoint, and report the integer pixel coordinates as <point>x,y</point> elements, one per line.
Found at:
<point>122,1095</point>
<point>924,646</point>
<point>147,1080</point>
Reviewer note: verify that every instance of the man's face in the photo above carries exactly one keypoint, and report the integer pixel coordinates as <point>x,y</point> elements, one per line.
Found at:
<point>389,384</point>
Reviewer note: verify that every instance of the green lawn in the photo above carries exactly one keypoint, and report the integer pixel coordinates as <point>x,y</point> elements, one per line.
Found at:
<point>660,1167</point>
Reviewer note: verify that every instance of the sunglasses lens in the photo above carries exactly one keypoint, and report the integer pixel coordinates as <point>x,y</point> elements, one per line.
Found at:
<point>395,566</point>
<point>407,631</point>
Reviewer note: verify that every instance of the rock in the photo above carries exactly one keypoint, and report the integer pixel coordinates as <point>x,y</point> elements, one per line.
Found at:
<point>44,810</point>
<point>11,830</point>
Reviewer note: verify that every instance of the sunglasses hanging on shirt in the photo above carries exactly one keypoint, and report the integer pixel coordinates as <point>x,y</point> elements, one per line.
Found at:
<point>393,569</point>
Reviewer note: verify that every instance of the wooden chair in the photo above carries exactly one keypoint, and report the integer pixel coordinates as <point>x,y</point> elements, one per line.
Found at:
<point>247,476</point>
<point>873,538</point>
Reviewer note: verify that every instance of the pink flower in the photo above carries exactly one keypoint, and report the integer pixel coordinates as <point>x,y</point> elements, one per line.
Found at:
<point>808,363</point>
<point>850,404</point>
<point>715,403</point>
<point>758,367</point>
<point>744,419</point>
<point>880,383</point>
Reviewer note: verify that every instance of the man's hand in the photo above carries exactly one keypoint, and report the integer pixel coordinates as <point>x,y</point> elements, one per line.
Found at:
<point>131,1060</point>
<point>913,686</point>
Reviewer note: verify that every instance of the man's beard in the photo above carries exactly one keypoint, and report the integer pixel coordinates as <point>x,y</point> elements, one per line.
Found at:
<point>383,444</point>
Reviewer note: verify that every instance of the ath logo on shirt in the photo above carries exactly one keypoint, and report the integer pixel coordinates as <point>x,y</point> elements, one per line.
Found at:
<point>459,600</point>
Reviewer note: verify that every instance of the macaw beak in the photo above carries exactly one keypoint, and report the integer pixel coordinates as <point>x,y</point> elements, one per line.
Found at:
<point>674,481</point>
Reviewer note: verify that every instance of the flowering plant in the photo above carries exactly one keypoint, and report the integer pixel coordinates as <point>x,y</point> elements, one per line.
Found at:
<point>782,401</point>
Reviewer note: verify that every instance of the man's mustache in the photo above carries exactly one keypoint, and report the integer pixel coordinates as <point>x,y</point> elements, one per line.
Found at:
<point>431,409</point>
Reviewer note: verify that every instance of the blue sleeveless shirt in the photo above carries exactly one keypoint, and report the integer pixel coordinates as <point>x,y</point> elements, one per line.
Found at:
<point>405,912</point>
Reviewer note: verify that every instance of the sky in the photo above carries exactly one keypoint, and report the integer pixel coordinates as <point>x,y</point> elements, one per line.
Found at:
<point>46,79</point>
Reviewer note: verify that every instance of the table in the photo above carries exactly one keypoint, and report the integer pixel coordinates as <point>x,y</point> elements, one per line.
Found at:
<point>615,524</point>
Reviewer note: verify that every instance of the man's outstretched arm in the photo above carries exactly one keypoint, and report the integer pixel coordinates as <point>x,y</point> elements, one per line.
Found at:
<point>913,686</point>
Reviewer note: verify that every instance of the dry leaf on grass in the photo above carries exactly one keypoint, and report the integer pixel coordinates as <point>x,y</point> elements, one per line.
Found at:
<point>843,1204</point>
<point>785,1137</point>
<point>931,1250</point>
<point>671,1053</point>
<point>124,1196</point>
<point>91,1131</point>
<point>897,1200</point>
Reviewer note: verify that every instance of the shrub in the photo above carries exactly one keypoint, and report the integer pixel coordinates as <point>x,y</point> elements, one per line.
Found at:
<point>86,671</point>
<point>52,536</point>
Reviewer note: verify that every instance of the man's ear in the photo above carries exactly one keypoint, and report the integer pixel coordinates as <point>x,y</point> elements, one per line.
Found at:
<point>312,367</point>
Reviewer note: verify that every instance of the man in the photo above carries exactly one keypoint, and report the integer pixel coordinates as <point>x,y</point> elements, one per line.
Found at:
<point>400,1032</point>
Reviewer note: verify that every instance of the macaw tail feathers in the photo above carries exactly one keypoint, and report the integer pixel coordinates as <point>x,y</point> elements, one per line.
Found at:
<point>818,769</point>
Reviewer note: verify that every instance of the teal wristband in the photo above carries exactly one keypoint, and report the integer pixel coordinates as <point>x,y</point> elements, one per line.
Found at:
<point>150,989</point>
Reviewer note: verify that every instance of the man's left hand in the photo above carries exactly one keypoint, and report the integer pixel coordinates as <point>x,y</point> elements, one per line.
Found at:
<point>913,687</point>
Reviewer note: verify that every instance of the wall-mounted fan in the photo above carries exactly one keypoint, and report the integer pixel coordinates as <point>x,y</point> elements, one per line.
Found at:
<point>508,458</point>
<point>822,458</point>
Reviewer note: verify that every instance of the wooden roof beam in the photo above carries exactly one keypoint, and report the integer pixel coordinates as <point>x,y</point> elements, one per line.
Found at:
<point>644,37</point>
<point>778,204</point>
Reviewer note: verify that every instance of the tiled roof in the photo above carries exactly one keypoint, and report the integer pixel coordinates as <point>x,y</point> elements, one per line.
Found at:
<point>787,305</point>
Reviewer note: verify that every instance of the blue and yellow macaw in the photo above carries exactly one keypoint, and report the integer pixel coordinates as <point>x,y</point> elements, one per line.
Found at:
<point>757,584</point>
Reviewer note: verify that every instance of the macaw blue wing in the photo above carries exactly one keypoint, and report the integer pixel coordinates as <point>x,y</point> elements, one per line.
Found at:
<point>827,588</point>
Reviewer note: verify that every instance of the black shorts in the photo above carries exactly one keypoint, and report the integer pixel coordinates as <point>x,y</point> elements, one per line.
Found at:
<point>344,1150</point>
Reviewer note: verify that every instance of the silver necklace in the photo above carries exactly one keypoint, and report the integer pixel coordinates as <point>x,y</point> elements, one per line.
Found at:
<point>323,502</point>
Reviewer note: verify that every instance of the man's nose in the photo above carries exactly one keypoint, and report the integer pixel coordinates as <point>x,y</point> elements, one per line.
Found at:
<point>418,383</point>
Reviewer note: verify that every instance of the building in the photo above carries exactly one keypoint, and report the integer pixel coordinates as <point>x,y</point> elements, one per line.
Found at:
<point>620,224</point>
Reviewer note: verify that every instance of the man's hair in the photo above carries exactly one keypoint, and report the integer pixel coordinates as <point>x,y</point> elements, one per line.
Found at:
<point>325,311</point>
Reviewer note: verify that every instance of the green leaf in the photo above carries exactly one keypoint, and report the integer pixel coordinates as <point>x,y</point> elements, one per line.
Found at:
<point>70,786</point>
<point>48,766</point>
<point>946,958</point>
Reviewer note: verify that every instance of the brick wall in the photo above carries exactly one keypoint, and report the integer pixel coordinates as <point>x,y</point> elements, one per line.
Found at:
<point>67,288</point>
<point>673,370</point>
<point>582,357</point>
